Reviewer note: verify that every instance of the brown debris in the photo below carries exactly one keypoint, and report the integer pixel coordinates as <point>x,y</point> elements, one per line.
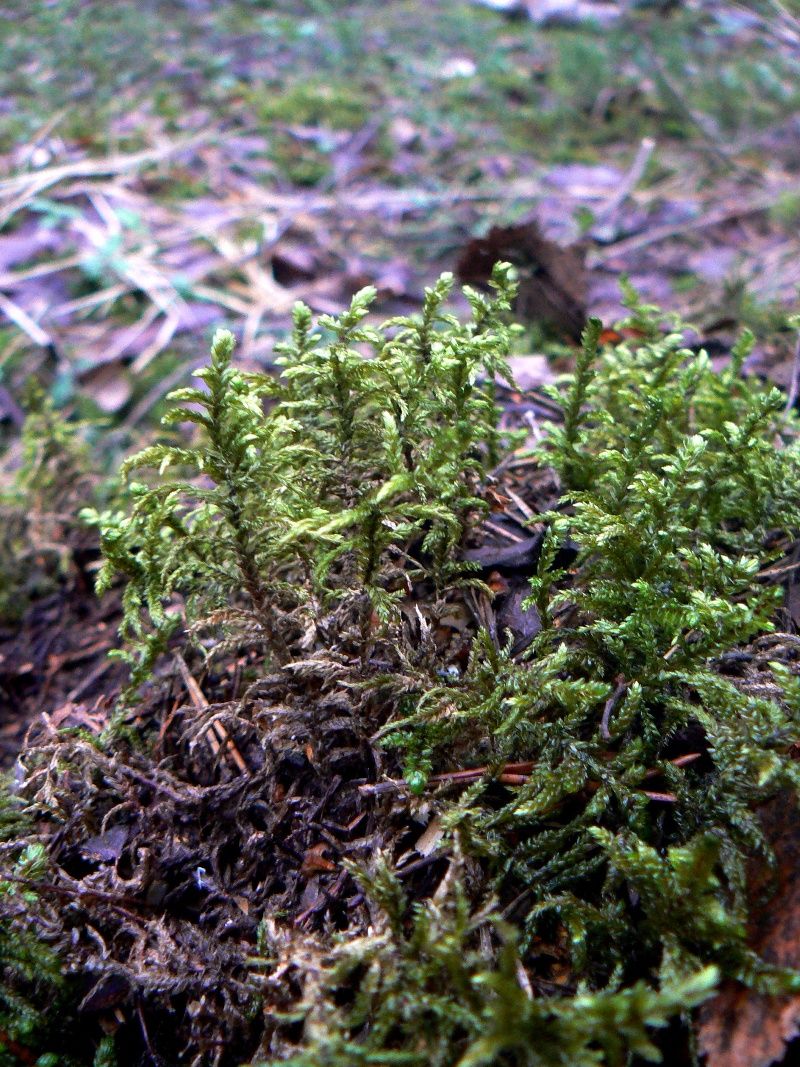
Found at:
<point>739,1027</point>
<point>174,858</point>
<point>316,860</point>
<point>553,282</point>
<point>55,661</point>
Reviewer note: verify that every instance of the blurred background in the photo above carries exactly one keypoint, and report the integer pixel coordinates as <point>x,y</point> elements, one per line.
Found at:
<point>170,165</point>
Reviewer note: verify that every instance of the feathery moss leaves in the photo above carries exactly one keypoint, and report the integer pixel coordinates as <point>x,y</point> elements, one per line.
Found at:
<point>601,891</point>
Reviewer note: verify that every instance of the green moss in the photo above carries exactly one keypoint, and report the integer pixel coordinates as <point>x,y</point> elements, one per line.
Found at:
<point>312,103</point>
<point>314,107</point>
<point>40,492</point>
<point>685,282</point>
<point>673,489</point>
<point>429,994</point>
<point>308,515</point>
<point>353,458</point>
<point>786,209</point>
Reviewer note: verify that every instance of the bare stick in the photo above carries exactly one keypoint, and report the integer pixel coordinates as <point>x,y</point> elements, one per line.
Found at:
<point>630,181</point>
<point>611,704</point>
<point>711,218</point>
<point>217,735</point>
<point>36,181</point>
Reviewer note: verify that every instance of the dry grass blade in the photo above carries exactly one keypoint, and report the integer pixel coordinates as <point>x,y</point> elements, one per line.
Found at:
<point>714,217</point>
<point>215,733</point>
<point>25,186</point>
<point>22,319</point>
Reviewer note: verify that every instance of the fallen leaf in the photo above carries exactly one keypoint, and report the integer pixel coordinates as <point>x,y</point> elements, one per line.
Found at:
<point>403,131</point>
<point>109,386</point>
<point>23,246</point>
<point>497,501</point>
<point>293,262</point>
<point>429,839</point>
<point>316,860</point>
<point>497,583</point>
<point>106,847</point>
<point>552,278</point>
<point>518,554</point>
<point>523,623</point>
<point>457,67</point>
<point>109,990</point>
<point>572,12</point>
<point>741,1028</point>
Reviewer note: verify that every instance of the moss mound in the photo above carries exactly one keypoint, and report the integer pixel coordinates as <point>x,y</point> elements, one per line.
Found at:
<point>435,751</point>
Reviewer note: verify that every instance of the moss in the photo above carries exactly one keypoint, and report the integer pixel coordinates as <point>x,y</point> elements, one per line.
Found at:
<point>312,103</point>
<point>593,851</point>
<point>30,978</point>
<point>39,497</point>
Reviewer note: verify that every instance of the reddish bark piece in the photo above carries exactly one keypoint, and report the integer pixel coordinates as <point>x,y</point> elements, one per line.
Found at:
<point>740,1028</point>
<point>316,860</point>
<point>552,278</point>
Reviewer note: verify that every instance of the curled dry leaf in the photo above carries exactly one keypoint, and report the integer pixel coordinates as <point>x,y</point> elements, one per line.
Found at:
<point>552,278</point>
<point>317,860</point>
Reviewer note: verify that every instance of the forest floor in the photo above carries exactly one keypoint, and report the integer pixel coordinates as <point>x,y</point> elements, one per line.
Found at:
<point>212,163</point>
<point>175,166</point>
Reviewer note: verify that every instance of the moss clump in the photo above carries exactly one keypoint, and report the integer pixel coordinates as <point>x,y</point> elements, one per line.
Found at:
<point>41,489</point>
<point>591,802</point>
<point>429,993</point>
<point>621,847</point>
<point>311,507</point>
<point>643,764</point>
<point>303,122</point>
